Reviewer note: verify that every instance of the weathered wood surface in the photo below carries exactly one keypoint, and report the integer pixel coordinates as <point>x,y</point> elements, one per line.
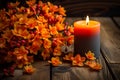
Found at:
<point>116,71</point>
<point>117,20</point>
<point>109,58</point>
<point>116,67</point>
<point>110,44</point>
<point>41,73</point>
<point>110,40</point>
<point>84,73</point>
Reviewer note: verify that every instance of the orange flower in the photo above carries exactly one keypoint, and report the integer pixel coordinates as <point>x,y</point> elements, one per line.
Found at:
<point>21,9</point>
<point>23,19</point>
<point>47,43</point>
<point>20,54</point>
<point>2,42</point>
<point>19,64</point>
<point>71,29</point>
<point>53,8</point>
<point>94,65</point>
<point>35,46</point>
<point>45,33</point>
<point>20,30</point>
<point>40,3</point>
<point>18,16</point>
<point>45,8</point>
<point>28,29</point>
<point>68,57</point>
<point>55,61</point>
<point>77,63</point>
<point>31,2</point>
<point>31,23</point>
<point>2,26</point>
<point>90,55</point>
<point>57,51</point>
<point>21,50</point>
<point>57,42</point>
<point>13,5</point>
<point>39,27</point>
<point>4,21</point>
<point>71,39</point>
<point>62,11</point>
<point>21,60</point>
<point>78,60</point>
<point>53,30</point>
<point>60,26</point>
<point>13,18</point>
<point>29,69</point>
<point>41,19</point>
<point>30,59</point>
<point>45,54</point>
<point>60,18</point>
<point>10,57</point>
<point>97,66</point>
<point>59,36</point>
<point>7,34</point>
<point>90,63</point>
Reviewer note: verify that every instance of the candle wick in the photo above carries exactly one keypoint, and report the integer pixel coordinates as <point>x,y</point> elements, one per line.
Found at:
<point>87,23</point>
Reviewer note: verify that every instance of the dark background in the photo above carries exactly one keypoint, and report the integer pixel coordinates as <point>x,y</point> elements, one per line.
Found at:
<point>107,8</point>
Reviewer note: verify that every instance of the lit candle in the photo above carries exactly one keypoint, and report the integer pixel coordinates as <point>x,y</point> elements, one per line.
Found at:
<point>87,37</point>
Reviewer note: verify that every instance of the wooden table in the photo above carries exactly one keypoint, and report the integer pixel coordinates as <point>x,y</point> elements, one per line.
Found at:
<point>109,58</point>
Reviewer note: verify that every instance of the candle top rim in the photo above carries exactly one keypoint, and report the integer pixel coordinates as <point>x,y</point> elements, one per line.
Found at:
<point>83,23</point>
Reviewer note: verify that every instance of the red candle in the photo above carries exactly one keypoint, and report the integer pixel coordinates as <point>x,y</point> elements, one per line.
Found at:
<point>87,36</point>
<point>86,28</point>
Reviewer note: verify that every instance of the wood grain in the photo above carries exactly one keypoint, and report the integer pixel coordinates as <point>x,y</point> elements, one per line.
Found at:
<point>41,73</point>
<point>116,70</point>
<point>117,20</point>
<point>84,73</point>
<point>110,40</point>
<point>110,45</point>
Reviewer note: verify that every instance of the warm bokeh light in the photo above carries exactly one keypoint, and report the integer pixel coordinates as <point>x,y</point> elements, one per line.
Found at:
<point>87,20</point>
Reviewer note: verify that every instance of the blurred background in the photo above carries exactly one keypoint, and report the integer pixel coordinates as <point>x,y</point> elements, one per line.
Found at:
<point>76,8</point>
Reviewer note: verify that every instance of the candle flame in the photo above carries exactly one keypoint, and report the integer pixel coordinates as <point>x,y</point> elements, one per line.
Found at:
<point>87,20</point>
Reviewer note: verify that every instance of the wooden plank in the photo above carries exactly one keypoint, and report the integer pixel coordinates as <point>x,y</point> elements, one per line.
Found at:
<point>110,40</point>
<point>41,73</point>
<point>84,73</point>
<point>116,70</point>
<point>117,20</point>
